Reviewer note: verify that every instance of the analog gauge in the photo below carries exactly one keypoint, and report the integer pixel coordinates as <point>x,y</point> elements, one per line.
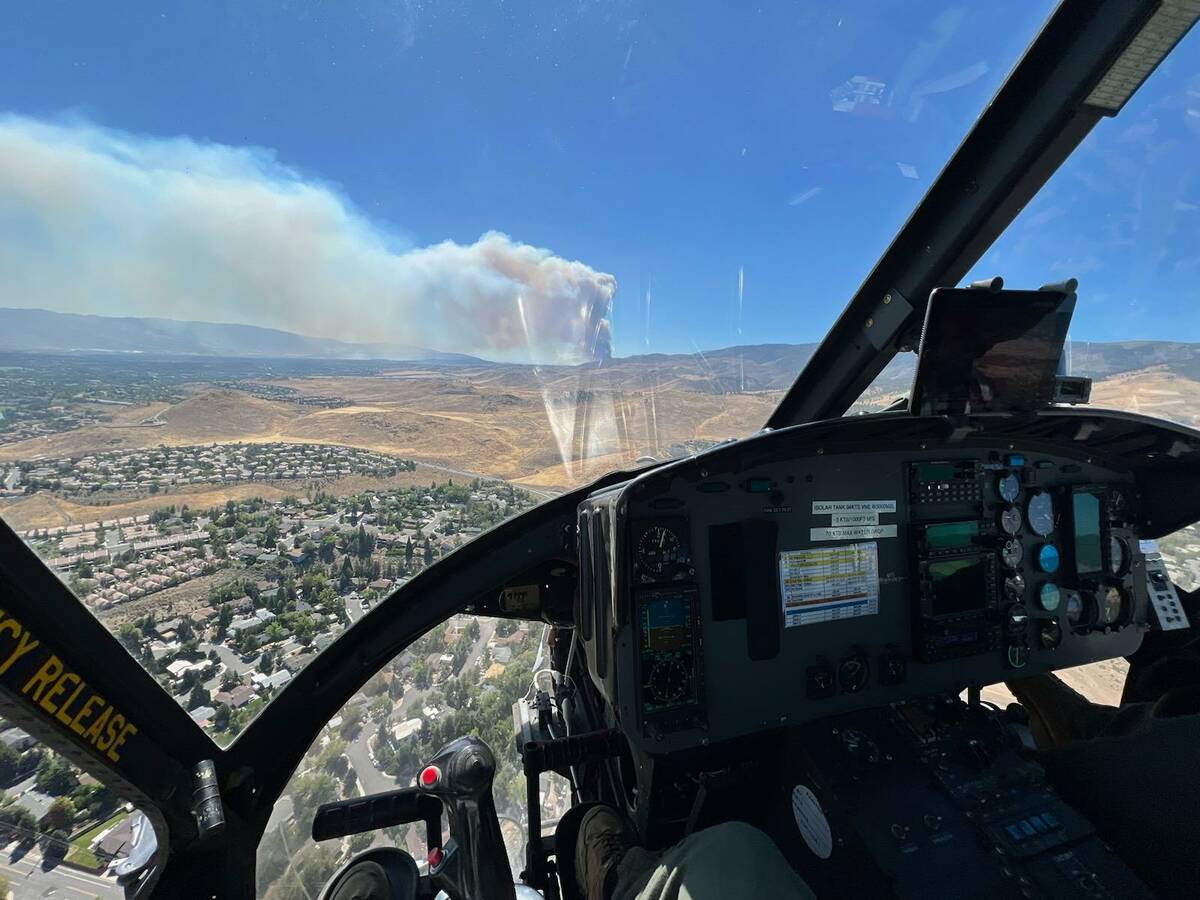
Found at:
<point>1014,587</point>
<point>1078,608</point>
<point>668,680</point>
<point>1018,655</point>
<point>1040,513</point>
<point>1112,605</point>
<point>1011,554</point>
<point>1118,555</point>
<point>1017,619</point>
<point>853,673</point>
<point>1048,558</point>
<point>1008,487</point>
<point>1049,597</point>
<point>1010,520</point>
<point>657,550</point>
<point>1050,634</point>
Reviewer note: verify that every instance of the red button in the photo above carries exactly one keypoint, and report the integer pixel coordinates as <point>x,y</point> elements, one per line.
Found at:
<point>435,857</point>
<point>430,775</point>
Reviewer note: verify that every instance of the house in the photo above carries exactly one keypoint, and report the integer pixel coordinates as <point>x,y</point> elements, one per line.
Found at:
<point>502,654</point>
<point>181,667</point>
<point>18,739</point>
<point>202,715</point>
<point>274,680</point>
<point>237,698</point>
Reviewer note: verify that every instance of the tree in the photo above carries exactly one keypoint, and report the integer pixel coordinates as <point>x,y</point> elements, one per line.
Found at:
<point>130,636</point>
<point>10,765</point>
<point>408,551</point>
<point>428,551</point>
<point>361,841</point>
<point>327,551</point>
<point>221,718</point>
<point>266,662</point>
<point>60,815</point>
<point>473,629</point>
<point>199,697</point>
<point>229,680</point>
<point>55,776</point>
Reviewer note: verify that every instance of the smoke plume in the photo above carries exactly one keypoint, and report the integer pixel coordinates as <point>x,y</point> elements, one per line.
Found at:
<point>94,220</point>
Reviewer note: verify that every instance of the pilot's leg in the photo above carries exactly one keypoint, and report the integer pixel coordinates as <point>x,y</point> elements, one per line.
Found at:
<point>728,860</point>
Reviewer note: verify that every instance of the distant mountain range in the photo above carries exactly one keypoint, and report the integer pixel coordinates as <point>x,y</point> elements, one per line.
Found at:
<point>742,369</point>
<point>55,332</point>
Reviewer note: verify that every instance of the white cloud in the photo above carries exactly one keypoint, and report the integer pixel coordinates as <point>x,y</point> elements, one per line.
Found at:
<point>94,220</point>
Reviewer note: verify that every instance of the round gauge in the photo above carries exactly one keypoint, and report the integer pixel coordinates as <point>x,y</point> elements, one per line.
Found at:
<point>1010,520</point>
<point>1118,555</point>
<point>668,681</point>
<point>1050,634</point>
<point>1078,608</point>
<point>1112,605</point>
<point>1048,558</point>
<point>853,673</point>
<point>1049,597</point>
<point>1040,513</point>
<point>1014,586</point>
<point>1011,554</point>
<point>657,550</point>
<point>1008,487</point>
<point>1018,655</point>
<point>1017,619</point>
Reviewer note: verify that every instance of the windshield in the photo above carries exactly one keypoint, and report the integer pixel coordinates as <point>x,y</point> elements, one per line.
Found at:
<point>298,301</point>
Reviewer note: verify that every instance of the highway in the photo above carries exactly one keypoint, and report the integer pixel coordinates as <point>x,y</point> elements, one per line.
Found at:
<point>29,881</point>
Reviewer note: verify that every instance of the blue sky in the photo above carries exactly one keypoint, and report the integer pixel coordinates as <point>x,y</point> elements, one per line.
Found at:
<point>680,148</point>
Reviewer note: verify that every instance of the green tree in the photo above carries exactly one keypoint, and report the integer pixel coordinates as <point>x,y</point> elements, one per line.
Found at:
<point>221,718</point>
<point>198,697</point>
<point>55,776</point>
<point>10,764</point>
<point>60,815</point>
<point>130,637</point>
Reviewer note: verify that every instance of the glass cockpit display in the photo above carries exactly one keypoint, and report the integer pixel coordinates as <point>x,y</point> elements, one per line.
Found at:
<point>1085,508</point>
<point>668,650</point>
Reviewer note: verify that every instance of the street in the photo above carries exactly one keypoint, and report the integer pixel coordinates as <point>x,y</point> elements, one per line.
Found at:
<point>28,881</point>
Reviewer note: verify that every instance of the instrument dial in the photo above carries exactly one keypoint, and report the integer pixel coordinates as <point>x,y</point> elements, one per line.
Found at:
<point>658,550</point>
<point>1050,634</point>
<point>1040,513</point>
<point>1048,558</point>
<point>1008,487</point>
<point>1049,597</point>
<point>1011,554</point>
<point>1112,606</point>
<point>1078,608</point>
<point>669,680</point>
<point>1014,587</point>
<point>853,673</point>
<point>1010,520</point>
<point>1118,555</point>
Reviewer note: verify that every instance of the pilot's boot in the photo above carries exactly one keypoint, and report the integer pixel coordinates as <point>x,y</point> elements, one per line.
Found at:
<point>604,837</point>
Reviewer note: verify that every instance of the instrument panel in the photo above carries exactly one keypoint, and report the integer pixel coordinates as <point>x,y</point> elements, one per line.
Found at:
<point>746,597</point>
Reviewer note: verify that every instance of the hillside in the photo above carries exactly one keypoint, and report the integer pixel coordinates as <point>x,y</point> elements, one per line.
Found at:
<point>55,332</point>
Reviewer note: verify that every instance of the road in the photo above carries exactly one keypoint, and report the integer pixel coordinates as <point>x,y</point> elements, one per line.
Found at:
<point>29,881</point>
<point>229,658</point>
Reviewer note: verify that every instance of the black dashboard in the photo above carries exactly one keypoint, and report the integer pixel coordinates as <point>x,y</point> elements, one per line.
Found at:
<point>817,571</point>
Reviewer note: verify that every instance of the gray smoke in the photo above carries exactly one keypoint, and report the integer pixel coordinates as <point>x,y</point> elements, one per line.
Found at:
<point>94,220</point>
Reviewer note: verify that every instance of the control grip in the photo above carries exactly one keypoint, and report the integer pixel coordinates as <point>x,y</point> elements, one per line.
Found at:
<point>376,811</point>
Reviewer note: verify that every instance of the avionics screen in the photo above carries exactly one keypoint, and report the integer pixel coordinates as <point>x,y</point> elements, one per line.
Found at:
<point>1086,515</point>
<point>950,534</point>
<point>957,585</point>
<point>983,352</point>
<point>667,624</point>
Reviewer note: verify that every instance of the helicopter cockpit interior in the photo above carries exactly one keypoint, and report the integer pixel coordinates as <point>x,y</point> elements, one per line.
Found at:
<point>795,629</point>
